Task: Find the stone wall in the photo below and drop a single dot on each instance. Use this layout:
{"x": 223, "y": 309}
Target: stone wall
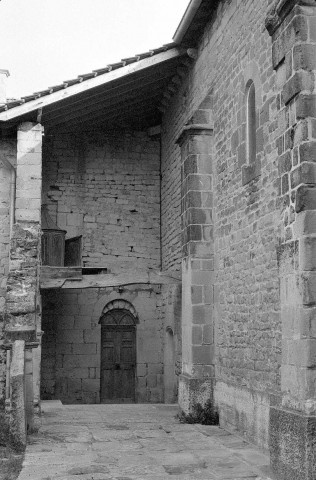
{"x": 8, "y": 152}
{"x": 235, "y": 49}
{"x": 71, "y": 342}
{"x": 106, "y": 187}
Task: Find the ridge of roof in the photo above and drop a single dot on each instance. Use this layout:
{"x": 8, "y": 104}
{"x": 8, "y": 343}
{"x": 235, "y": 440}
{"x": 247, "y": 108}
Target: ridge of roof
{"x": 12, "y": 103}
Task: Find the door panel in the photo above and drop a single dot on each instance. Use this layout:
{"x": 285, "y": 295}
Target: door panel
{"x": 118, "y": 360}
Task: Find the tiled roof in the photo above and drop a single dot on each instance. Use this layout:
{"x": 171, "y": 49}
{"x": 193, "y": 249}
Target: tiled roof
{"x": 81, "y": 78}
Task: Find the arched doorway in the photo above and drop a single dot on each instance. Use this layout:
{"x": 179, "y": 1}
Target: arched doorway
{"x": 118, "y": 353}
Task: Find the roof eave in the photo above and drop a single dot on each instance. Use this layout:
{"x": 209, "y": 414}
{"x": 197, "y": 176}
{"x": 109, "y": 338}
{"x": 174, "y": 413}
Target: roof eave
{"x": 186, "y": 21}
{"x": 14, "y": 113}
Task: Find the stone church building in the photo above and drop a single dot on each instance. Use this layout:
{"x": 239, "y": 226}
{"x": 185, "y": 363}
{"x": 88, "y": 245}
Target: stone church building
{"x": 158, "y": 231}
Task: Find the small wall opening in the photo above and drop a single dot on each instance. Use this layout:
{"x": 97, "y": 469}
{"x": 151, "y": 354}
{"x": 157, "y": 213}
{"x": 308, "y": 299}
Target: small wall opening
{"x": 170, "y": 380}
{"x": 251, "y": 122}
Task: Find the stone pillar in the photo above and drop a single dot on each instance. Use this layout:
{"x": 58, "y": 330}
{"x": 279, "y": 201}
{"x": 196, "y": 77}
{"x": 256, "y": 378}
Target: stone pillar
{"x": 22, "y": 299}
{"x": 197, "y": 379}
{"x": 292, "y": 26}
{"x": 17, "y": 423}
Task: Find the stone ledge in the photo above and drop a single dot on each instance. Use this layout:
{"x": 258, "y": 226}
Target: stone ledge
{"x": 194, "y": 129}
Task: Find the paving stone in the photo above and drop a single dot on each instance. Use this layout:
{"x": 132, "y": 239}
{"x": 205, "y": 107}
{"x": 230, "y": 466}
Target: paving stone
{"x": 130, "y": 442}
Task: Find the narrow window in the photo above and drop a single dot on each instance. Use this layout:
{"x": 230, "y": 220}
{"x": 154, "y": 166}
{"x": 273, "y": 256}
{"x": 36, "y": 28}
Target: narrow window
{"x": 251, "y": 123}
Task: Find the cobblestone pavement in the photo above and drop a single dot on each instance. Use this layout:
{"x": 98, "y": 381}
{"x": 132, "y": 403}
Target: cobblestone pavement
{"x": 127, "y": 442}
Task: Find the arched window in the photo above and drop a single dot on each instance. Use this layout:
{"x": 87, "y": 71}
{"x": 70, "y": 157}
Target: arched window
{"x": 251, "y": 122}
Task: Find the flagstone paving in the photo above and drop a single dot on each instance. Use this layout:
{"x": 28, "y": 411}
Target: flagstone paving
{"x": 128, "y": 442}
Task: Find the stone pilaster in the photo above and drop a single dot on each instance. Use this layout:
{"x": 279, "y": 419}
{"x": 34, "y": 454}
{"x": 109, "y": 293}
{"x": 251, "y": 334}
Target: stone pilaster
{"x": 23, "y": 298}
{"x": 293, "y": 420}
{"x": 197, "y": 380}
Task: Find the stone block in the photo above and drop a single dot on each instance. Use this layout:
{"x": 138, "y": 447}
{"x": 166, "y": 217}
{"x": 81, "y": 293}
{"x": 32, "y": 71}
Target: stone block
{"x": 208, "y": 233}
{"x": 304, "y": 174}
{"x": 305, "y": 223}
{"x": 292, "y": 444}
{"x": 300, "y": 81}
{"x": 196, "y": 294}
{"x": 304, "y": 57}
{"x": 193, "y": 391}
{"x": 199, "y": 144}
{"x": 305, "y": 199}
{"x": 307, "y": 152}
{"x": 81, "y": 361}
{"x": 69, "y": 336}
{"x": 197, "y": 335}
{"x": 141, "y": 369}
{"x": 90, "y": 385}
{"x": 82, "y": 322}
{"x": 156, "y": 395}
{"x": 199, "y": 216}
{"x": 17, "y": 386}
{"x": 208, "y": 334}
{"x": 80, "y": 372}
{"x": 201, "y": 314}
{"x": 202, "y": 354}
{"x": 192, "y": 233}
{"x": 307, "y": 253}
{"x": 305, "y": 106}
{"x": 198, "y": 182}
{"x": 295, "y": 32}
{"x": 28, "y": 215}
{"x": 84, "y": 349}
{"x": 202, "y": 277}
{"x": 308, "y": 286}
{"x": 63, "y": 348}
{"x": 151, "y": 381}
{"x": 34, "y": 159}
{"x": 155, "y": 368}
{"x": 201, "y": 250}
{"x": 70, "y": 388}
{"x": 92, "y": 335}
{"x": 29, "y": 147}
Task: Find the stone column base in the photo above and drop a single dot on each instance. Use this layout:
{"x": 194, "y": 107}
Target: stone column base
{"x": 196, "y": 391}
{"x": 292, "y": 444}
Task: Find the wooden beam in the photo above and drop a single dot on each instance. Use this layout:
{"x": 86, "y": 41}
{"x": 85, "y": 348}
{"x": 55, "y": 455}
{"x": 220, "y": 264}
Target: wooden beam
{"x": 111, "y": 280}
{"x": 115, "y": 100}
{"x": 156, "y": 74}
{"x": 109, "y": 114}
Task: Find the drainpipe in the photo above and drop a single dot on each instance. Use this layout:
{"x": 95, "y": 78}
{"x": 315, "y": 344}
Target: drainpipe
{"x": 12, "y": 191}
{"x": 4, "y": 74}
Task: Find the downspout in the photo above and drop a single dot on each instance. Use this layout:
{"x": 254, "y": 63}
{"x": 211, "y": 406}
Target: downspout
{"x": 12, "y": 191}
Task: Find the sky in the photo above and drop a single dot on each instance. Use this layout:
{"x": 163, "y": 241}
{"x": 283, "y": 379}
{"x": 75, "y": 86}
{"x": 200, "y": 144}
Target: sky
{"x": 45, "y": 42}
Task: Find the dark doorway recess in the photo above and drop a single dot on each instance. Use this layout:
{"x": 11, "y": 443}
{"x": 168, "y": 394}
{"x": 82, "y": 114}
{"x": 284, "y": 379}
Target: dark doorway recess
{"x": 118, "y": 357}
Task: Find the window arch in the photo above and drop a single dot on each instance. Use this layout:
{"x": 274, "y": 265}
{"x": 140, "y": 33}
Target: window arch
{"x": 251, "y": 122}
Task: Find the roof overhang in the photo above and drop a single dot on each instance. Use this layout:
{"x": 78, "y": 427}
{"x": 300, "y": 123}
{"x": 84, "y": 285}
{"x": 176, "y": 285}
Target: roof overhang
{"x": 127, "y": 94}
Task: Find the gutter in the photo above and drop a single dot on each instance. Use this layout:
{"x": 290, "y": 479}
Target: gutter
{"x": 12, "y": 191}
{"x": 186, "y": 20}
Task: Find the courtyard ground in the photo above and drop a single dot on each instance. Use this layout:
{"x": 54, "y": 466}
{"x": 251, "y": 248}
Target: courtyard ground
{"x": 10, "y": 464}
{"x": 135, "y": 442}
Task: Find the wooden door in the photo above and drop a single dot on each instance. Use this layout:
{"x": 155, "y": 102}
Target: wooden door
{"x": 118, "y": 360}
